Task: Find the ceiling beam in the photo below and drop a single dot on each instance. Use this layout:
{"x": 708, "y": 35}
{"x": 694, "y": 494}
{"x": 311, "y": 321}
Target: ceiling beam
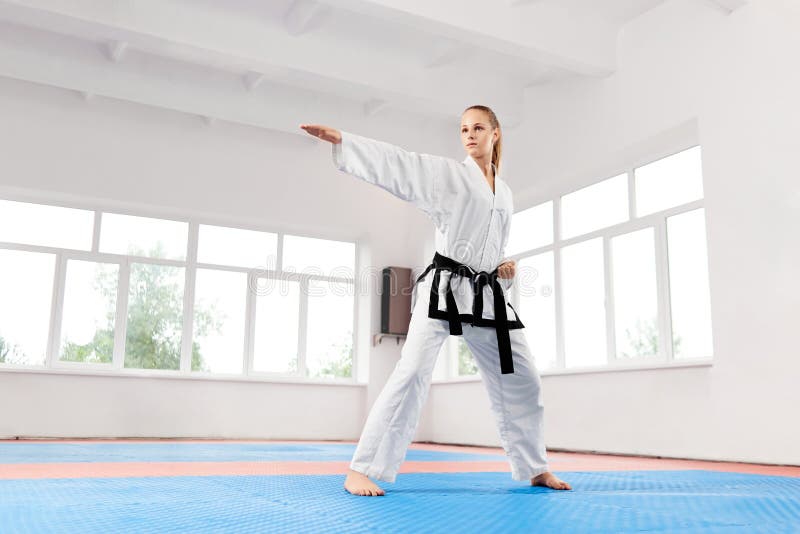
{"x": 205, "y": 34}
{"x": 548, "y": 33}
{"x": 211, "y": 96}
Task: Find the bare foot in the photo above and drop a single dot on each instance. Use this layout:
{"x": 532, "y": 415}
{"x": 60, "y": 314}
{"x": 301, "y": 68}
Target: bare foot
{"x": 359, "y": 484}
{"x": 549, "y": 480}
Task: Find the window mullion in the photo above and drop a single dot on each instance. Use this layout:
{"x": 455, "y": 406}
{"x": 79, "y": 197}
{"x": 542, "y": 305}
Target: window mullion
{"x": 662, "y": 281}
{"x": 559, "y": 311}
{"x": 301, "y": 331}
{"x": 279, "y": 254}
{"x": 121, "y": 319}
{"x": 608, "y": 266}
{"x": 354, "y": 368}
{"x": 98, "y": 218}
{"x": 631, "y": 195}
{"x": 250, "y": 321}
{"x": 57, "y": 303}
{"x": 188, "y": 300}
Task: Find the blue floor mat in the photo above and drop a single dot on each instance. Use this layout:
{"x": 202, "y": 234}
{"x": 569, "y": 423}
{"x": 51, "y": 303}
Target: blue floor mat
{"x": 34, "y": 453}
{"x": 619, "y": 501}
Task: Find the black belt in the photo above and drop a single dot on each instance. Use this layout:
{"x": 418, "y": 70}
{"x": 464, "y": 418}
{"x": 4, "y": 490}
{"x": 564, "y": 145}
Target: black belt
{"x": 478, "y": 281}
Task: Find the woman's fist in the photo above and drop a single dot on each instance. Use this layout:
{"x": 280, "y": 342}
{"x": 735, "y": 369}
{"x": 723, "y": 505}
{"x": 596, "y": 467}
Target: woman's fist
{"x": 326, "y": 133}
{"x": 507, "y": 269}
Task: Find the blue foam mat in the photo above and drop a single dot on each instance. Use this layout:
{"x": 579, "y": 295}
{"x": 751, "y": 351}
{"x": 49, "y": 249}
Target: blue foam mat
{"x": 15, "y": 453}
{"x": 619, "y": 501}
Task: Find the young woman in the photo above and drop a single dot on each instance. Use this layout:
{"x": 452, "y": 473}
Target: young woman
{"x": 460, "y": 293}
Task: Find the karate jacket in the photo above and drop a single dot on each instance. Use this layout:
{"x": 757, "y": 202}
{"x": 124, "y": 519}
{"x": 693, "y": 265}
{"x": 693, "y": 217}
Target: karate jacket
{"x": 472, "y": 223}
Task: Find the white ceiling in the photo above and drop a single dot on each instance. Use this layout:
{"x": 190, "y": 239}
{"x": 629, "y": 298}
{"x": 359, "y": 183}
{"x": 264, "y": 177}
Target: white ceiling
{"x": 275, "y": 63}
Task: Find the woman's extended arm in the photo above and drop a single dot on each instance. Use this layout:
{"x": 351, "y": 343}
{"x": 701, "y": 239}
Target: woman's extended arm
{"x": 413, "y": 177}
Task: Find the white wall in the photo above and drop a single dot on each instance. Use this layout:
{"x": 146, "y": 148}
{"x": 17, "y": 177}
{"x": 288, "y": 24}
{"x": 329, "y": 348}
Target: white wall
{"x": 105, "y": 154}
{"x": 735, "y": 77}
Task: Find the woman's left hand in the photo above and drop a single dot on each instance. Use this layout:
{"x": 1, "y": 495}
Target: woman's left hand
{"x": 507, "y": 269}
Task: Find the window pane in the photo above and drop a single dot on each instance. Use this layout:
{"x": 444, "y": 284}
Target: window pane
{"x": 319, "y": 256}
{"x": 143, "y": 236}
{"x": 531, "y": 228}
{"x": 219, "y": 316}
{"x": 466, "y": 360}
{"x": 155, "y": 317}
{"x": 635, "y": 294}
{"x": 669, "y": 182}
{"x": 447, "y": 360}
{"x": 329, "y": 334}
{"x": 234, "y": 246}
{"x": 48, "y": 226}
{"x": 597, "y": 206}
{"x": 535, "y": 281}
{"x": 26, "y": 286}
{"x": 276, "y": 324}
{"x": 688, "y": 281}
{"x": 584, "y": 304}
{"x": 90, "y": 306}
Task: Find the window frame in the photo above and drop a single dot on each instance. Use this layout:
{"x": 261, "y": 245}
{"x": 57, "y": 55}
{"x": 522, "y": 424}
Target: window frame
{"x": 656, "y": 220}
{"x": 55, "y": 366}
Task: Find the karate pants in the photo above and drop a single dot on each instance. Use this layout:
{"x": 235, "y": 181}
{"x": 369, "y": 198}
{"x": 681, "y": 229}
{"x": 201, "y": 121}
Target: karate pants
{"x": 516, "y": 399}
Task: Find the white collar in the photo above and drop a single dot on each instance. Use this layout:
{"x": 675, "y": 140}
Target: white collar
{"x": 469, "y": 159}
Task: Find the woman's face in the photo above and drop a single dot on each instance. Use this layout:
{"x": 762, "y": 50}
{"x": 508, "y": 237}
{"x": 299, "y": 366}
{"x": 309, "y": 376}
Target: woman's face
{"x": 477, "y": 134}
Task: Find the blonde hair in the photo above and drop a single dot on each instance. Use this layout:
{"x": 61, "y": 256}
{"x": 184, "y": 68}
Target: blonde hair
{"x": 497, "y": 149}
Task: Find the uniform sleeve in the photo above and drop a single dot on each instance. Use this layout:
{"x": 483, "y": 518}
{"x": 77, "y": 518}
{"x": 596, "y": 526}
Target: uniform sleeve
{"x": 413, "y": 177}
{"x": 507, "y": 282}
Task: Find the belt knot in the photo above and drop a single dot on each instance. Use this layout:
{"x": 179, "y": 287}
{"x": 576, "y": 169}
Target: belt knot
{"x": 478, "y": 281}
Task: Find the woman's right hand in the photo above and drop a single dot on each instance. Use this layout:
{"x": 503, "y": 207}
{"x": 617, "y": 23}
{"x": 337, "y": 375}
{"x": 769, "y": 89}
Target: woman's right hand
{"x": 326, "y": 133}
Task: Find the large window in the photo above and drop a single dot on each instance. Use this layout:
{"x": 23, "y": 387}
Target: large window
{"x": 688, "y": 288}
{"x": 233, "y": 246}
{"x": 143, "y": 236}
{"x": 26, "y": 286}
{"x": 131, "y": 294}
{"x": 594, "y": 207}
{"x": 583, "y": 301}
{"x": 220, "y": 306}
{"x": 277, "y": 345}
{"x": 536, "y": 304}
{"x": 532, "y": 228}
{"x": 154, "y": 323}
{"x": 49, "y": 226}
{"x": 89, "y": 311}
{"x": 329, "y": 347}
{"x": 613, "y": 275}
{"x": 669, "y": 182}
{"x": 635, "y": 290}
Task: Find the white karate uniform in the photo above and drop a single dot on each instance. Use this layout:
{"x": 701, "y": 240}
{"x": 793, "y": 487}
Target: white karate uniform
{"x": 472, "y": 225}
